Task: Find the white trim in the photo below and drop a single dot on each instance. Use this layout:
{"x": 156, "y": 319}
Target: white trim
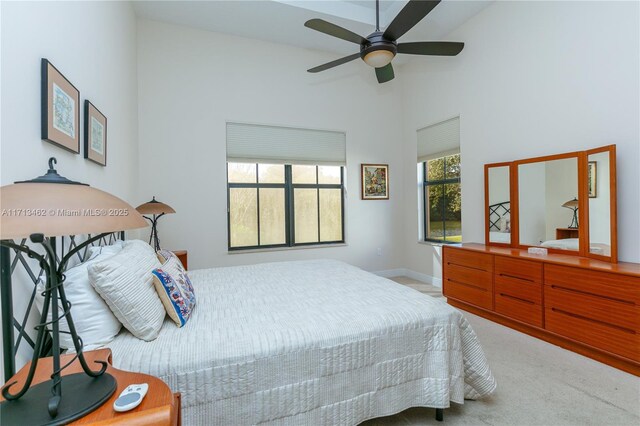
{"x": 390, "y": 273}
{"x": 404, "y": 272}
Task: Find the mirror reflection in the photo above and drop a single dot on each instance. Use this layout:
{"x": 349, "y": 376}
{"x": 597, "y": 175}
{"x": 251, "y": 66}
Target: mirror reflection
{"x": 598, "y": 181}
{"x": 499, "y": 213}
{"x": 548, "y": 203}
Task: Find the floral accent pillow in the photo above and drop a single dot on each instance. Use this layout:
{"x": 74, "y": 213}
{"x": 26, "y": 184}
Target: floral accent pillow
{"x": 175, "y": 290}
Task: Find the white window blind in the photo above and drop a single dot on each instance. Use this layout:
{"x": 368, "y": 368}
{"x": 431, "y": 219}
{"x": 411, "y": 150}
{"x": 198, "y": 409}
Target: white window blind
{"x": 252, "y": 143}
{"x": 439, "y": 140}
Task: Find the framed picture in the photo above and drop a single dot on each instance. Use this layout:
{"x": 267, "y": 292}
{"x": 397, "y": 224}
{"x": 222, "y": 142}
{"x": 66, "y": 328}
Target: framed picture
{"x": 375, "y": 181}
{"x": 95, "y": 134}
{"x": 593, "y": 178}
{"x": 60, "y": 122}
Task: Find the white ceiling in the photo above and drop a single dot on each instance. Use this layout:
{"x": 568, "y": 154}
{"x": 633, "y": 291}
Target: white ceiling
{"x": 282, "y": 21}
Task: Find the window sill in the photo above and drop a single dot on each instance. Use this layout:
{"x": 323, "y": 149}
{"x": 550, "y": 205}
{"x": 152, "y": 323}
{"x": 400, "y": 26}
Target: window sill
{"x": 435, "y": 244}
{"x": 307, "y": 247}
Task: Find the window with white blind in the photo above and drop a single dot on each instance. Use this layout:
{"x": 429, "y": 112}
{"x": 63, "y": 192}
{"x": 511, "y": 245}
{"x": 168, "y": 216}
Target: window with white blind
{"x": 285, "y": 186}
{"x": 439, "y": 165}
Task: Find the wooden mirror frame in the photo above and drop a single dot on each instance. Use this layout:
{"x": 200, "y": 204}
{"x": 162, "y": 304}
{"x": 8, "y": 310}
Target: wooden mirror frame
{"x": 487, "y": 226}
{"x": 613, "y": 204}
{"x": 583, "y": 202}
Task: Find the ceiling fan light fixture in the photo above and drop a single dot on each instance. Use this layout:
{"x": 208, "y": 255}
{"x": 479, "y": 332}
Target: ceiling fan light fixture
{"x": 378, "y": 58}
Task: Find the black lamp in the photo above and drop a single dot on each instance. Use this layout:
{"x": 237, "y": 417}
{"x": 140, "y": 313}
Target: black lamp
{"x": 573, "y": 205}
{"x": 50, "y": 206}
{"x": 157, "y": 210}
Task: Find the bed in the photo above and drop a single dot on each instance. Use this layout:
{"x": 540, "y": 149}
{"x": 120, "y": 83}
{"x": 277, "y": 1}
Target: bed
{"x": 573, "y": 244}
{"x": 313, "y": 342}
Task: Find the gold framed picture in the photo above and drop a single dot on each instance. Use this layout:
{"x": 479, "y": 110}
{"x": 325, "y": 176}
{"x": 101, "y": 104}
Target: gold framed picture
{"x": 95, "y": 134}
{"x": 374, "y": 181}
{"x": 60, "y": 108}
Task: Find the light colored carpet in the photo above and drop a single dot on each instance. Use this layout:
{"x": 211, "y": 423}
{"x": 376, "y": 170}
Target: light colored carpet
{"x": 538, "y": 384}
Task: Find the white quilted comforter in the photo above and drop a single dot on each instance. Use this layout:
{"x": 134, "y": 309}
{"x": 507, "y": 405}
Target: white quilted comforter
{"x": 310, "y": 343}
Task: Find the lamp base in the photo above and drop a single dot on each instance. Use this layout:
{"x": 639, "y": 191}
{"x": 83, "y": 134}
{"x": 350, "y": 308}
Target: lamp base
{"x": 81, "y": 394}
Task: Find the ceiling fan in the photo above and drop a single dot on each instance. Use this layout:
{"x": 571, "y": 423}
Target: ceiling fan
{"x": 379, "y": 48}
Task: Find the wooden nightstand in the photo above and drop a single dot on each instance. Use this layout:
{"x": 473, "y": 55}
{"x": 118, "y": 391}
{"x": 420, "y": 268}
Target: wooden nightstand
{"x": 159, "y": 407}
{"x": 564, "y": 233}
{"x": 182, "y": 255}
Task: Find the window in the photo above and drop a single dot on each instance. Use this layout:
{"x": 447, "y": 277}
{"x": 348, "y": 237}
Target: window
{"x": 276, "y": 205}
{"x": 441, "y": 199}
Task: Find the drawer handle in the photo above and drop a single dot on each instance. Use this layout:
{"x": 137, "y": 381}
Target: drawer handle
{"x": 508, "y": 296}
{"x": 597, "y": 296}
{"x": 466, "y": 285}
{"x": 466, "y": 266}
{"x": 617, "y": 327}
{"x": 517, "y": 278}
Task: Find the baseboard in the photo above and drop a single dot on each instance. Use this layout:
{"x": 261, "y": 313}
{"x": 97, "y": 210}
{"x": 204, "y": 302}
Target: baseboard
{"x": 390, "y": 273}
{"x": 404, "y": 272}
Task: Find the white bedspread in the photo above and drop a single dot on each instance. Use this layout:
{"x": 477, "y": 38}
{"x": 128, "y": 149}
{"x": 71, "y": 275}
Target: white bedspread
{"x": 314, "y": 342}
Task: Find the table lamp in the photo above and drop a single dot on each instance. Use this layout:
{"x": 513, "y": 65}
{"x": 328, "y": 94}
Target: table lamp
{"x": 157, "y": 209}
{"x": 51, "y": 206}
{"x": 573, "y": 205}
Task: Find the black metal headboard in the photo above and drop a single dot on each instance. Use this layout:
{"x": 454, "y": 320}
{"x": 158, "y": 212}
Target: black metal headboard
{"x": 15, "y": 261}
{"x": 496, "y": 211}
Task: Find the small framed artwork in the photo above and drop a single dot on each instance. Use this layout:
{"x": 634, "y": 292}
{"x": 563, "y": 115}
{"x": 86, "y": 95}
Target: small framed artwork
{"x": 593, "y": 179}
{"x": 375, "y": 181}
{"x": 95, "y": 134}
{"x": 60, "y": 107}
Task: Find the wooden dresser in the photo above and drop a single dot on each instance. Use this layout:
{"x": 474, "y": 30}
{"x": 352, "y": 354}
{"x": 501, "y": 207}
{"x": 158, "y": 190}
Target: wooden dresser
{"x": 584, "y": 305}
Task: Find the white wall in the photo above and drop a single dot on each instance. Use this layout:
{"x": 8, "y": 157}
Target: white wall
{"x": 535, "y": 78}
{"x": 93, "y": 45}
{"x": 191, "y": 82}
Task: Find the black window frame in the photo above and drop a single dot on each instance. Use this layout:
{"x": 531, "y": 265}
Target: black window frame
{"x": 425, "y": 209}
{"x": 289, "y": 201}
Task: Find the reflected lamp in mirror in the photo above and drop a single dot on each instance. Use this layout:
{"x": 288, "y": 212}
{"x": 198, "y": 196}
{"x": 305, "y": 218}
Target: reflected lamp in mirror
{"x": 156, "y": 209}
{"x": 40, "y": 209}
{"x": 572, "y": 205}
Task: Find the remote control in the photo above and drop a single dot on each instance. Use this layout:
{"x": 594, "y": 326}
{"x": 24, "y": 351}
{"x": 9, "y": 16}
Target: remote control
{"x": 131, "y": 397}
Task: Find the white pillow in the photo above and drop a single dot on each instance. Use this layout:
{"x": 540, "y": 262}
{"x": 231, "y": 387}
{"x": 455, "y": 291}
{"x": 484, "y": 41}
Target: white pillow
{"x": 125, "y": 282}
{"x": 505, "y": 223}
{"x": 93, "y": 320}
{"x": 110, "y": 249}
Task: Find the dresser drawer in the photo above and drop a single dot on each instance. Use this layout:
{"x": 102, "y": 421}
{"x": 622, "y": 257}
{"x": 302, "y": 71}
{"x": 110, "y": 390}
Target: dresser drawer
{"x": 613, "y": 312}
{"x": 523, "y": 270}
{"x": 473, "y": 295}
{"x": 521, "y": 289}
{"x": 468, "y": 259}
{"x": 619, "y": 287}
{"x": 468, "y": 277}
{"x": 518, "y": 309}
{"x": 594, "y": 333}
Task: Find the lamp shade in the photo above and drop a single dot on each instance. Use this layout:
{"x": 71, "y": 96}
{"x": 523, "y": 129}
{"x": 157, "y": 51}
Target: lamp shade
{"x": 571, "y": 204}
{"x": 56, "y": 209}
{"x": 155, "y": 207}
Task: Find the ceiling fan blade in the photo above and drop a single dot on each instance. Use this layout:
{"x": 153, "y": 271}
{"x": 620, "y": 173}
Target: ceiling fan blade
{"x": 408, "y": 17}
{"x": 385, "y": 73}
{"x": 438, "y": 48}
{"x": 335, "y": 63}
{"x": 334, "y": 30}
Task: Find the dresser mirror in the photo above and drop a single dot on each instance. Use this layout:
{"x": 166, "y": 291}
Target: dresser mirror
{"x": 565, "y": 203}
{"x": 548, "y": 204}
{"x": 498, "y": 203}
